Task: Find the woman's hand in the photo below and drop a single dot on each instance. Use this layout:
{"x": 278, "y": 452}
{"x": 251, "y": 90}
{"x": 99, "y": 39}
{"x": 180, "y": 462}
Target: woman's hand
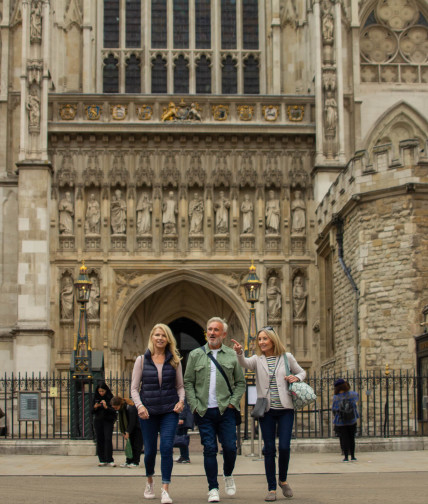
{"x": 126, "y": 435}
{"x": 103, "y": 403}
{"x": 179, "y": 407}
{"x": 291, "y": 378}
{"x": 236, "y": 346}
{"x": 142, "y": 412}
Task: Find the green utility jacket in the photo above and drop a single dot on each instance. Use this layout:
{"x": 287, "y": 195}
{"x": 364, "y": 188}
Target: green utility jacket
{"x": 197, "y": 379}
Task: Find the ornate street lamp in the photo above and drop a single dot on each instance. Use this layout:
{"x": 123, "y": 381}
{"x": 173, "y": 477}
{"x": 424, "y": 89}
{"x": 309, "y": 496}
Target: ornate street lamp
{"x": 252, "y": 288}
{"x": 82, "y": 358}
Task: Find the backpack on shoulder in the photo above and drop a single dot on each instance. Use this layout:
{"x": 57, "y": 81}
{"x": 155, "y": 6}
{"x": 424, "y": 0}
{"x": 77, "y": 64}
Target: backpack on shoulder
{"x": 346, "y": 410}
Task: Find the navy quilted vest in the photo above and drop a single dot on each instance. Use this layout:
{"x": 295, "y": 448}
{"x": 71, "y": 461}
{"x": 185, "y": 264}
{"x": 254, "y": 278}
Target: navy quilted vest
{"x": 158, "y": 400}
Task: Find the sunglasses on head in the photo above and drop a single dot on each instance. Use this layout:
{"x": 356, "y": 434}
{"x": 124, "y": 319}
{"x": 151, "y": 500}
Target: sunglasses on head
{"x": 268, "y": 327}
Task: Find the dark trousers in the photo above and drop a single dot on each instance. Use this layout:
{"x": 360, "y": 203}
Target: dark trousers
{"x": 347, "y": 439}
{"x": 104, "y": 436}
{"x": 136, "y": 439}
{"x": 184, "y": 450}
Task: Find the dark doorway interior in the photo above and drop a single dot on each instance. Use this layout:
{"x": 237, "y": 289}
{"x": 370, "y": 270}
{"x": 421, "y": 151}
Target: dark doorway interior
{"x": 189, "y": 335}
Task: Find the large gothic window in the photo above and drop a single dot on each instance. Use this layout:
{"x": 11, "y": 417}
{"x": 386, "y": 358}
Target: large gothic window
{"x": 394, "y": 43}
{"x": 182, "y": 46}
{"x": 111, "y": 75}
{"x": 159, "y": 84}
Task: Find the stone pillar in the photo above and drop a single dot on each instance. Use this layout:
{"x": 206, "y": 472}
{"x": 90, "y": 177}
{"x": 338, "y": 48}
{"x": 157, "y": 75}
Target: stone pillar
{"x": 32, "y": 343}
{"x": 276, "y": 49}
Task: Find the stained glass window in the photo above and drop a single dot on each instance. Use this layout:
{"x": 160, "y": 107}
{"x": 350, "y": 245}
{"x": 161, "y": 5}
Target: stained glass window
{"x": 250, "y": 24}
{"x": 133, "y": 23}
{"x": 203, "y": 23}
{"x": 228, "y": 24}
{"x": 111, "y": 75}
{"x": 181, "y": 24}
{"x": 203, "y": 75}
{"x": 181, "y": 75}
{"x": 229, "y": 81}
{"x": 251, "y": 76}
{"x": 159, "y": 83}
{"x": 111, "y": 23}
{"x": 133, "y": 75}
{"x": 159, "y": 23}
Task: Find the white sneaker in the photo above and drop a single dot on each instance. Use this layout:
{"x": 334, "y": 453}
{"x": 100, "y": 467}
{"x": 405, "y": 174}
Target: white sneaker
{"x": 124, "y": 465}
{"x": 149, "y": 492}
{"x": 102, "y": 464}
{"x": 111, "y": 464}
{"x": 165, "y": 498}
{"x": 213, "y": 495}
{"x": 131, "y": 465}
{"x": 229, "y": 485}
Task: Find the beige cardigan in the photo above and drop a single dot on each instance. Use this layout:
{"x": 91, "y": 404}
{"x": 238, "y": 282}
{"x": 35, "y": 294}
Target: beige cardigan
{"x": 259, "y": 365}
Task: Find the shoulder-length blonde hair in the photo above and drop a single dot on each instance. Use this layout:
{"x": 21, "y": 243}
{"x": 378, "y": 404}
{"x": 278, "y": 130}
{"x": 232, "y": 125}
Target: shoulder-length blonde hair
{"x": 278, "y": 346}
{"x": 171, "y": 345}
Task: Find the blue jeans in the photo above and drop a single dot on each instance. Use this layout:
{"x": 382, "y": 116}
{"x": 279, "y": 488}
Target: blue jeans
{"x": 281, "y": 420}
{"x": 211, "y": 426}
{"x": 166, "y": 426}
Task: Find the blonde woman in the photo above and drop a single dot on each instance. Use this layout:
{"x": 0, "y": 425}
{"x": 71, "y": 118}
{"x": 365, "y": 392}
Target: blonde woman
{"x": 272, "y": 382}
{"x": 158, "y": 393}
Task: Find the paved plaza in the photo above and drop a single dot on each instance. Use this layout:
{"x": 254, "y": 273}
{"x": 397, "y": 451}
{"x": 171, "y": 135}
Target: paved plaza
{"x": 316, "y": 478}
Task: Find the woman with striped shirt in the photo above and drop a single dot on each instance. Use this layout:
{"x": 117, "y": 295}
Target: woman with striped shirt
{"x": 272, "y": 383}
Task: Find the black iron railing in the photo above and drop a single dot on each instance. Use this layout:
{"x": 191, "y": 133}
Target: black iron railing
{"x": 394, "y": 405}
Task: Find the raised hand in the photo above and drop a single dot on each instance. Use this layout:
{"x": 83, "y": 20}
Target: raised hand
{"x": 236, "y": 346}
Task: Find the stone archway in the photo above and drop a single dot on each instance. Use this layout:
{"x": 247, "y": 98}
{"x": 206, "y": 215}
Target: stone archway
{"x": 171, "y": 297}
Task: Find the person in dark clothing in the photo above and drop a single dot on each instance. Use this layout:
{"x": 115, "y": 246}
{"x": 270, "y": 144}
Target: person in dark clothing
{"x": 104, "y": 418}
{"x": 129, "y": 426}
{"x": 345, "y": 424}
{"x": 185, "y": 422}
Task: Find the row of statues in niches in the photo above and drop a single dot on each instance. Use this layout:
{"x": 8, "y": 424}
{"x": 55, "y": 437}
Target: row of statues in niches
{"x": 273, "y": 297}
{"x": 196, "y": 209}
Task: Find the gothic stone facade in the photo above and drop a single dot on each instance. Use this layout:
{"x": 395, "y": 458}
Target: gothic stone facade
{"x": 312, "y": 130}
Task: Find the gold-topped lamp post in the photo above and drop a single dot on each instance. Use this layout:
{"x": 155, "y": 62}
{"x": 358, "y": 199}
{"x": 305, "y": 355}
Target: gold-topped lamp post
{"x": 252, "y": 286}
{"x": 82, "y": 357}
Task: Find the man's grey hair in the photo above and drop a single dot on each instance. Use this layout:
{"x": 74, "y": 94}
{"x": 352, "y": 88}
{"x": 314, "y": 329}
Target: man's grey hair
{"x": 218, "y": 319}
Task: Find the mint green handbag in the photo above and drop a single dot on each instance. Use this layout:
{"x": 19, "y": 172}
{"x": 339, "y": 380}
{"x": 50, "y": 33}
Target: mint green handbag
{"x": 301, "y": 393}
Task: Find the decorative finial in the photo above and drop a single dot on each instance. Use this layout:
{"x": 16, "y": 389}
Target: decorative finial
{"x": 387, "y": 371}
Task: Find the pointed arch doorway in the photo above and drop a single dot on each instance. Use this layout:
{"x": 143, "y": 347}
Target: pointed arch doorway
{"x": 189, "y": 335}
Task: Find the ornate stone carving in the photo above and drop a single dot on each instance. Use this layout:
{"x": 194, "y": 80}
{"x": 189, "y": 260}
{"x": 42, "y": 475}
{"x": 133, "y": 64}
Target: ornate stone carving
{"x": 272, "y": 174}
{"x": 247, "y": 210}
{"x": 272, "y": 214}
{"x": 220, "y": 112}
{"x": 245, "y": 112}
{"x": 247, "y": 173}
{"x": 221, "y": 206}
{"x": 295, "y": 113}
{"x": 144, "y": 112}
{"x": 118, "y": 213}
{"x": 274, "y": 302}
{"x": 118, "y": 175}
{"x": 67, "y": 112}
{"x": 299, "y": 298}
{"x": 66, "y": 215}
{"x": 182, "y": 112}
{"x": 92, "y": 174}
{"x": 33, "y": 109}
{"x": 196, "y": 215}
{"x": 66, "y": 175}
{"x": 36, "y": 22}
{"x": 144, "y": 214}
{"x": 221, "y": 174}
{"x": 93, "y": 112}
{"x": 298, "y": 214}
{"x": 330, "y": 111}
{"x": 126, "y": 281}
{"x": 170, "y": 174}
{"x": 119, "y": 112}
{"x": 195, "y": 174}
{"x": 93, "y": 216}
{"x": 144, "y": 172}
{"x": 270, "y": 112}
{"x": 169, "y": 214}
{"x": 93, "y": 308}
{"x": 67, "y": 298}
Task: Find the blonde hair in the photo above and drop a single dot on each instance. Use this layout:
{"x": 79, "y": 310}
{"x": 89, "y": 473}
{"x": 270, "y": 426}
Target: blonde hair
{"x": 278, "y": 345}
{"x": 171, "y": 344}
{"x": 120, "y": 401}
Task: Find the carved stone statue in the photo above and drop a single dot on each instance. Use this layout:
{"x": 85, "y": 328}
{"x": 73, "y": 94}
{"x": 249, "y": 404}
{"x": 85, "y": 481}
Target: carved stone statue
{"x": 298, "y": 214}
{"x": 66, "y": 299}
{"x": 272, "y": 214}
{"x": 118, "y": 213}
{"x": 273, "y": 293}
{"x": 93, "y": 309}
{"x": 93, "y": 216}
{"x": 36, "y": 22}
{"x": 144, "y": 210}
{"x": 170, "y": 211}
{"x": 327, "y": 27}
{"x": 33, "y": 108}
{"x": 330, "y": 109}
{"x": 299, "y": 299}
{"x": 196, "y": 214}
{"x": 66, "y": 213}
{"x": 247, "y": 214}
{"x": 222, "y": 206}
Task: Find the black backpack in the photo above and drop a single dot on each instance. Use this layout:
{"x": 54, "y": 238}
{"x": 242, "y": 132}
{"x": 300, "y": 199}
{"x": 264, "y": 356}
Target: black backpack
{"x": 346, "y": 410}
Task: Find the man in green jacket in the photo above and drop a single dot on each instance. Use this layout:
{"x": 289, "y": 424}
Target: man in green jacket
{"x": 214, "y": 402}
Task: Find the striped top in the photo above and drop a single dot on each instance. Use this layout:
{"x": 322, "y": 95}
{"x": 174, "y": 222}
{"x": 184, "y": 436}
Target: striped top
{"x": 275, "y": 402}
